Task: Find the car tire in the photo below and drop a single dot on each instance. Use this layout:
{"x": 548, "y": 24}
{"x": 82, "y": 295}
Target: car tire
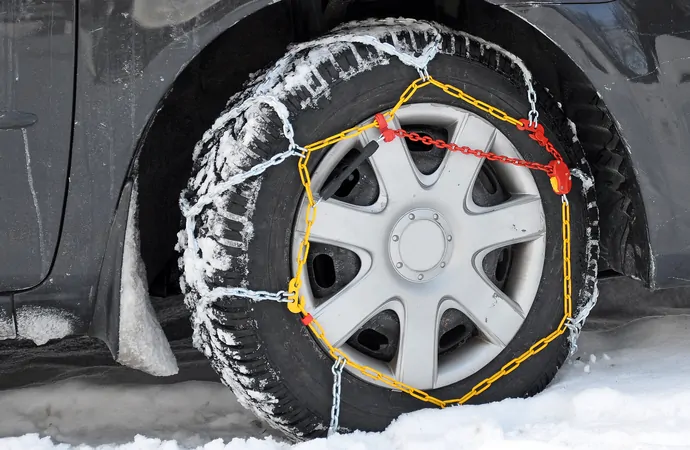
{"x": 261, "y": 350}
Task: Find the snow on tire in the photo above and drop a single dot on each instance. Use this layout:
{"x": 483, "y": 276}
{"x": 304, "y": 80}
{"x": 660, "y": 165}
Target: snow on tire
{"x": 244, "y": 237}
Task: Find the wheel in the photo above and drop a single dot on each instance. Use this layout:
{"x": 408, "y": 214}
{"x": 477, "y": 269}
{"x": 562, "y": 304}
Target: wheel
{"x": 432, "y": 267}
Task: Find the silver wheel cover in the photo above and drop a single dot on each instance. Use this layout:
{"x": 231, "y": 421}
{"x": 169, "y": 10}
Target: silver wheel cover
{"x": 421, "y": 246}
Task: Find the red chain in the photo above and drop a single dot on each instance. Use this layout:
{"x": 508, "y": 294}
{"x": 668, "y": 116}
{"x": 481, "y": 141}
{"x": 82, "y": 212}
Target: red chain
{"x": 537, "y": 133}
{"x": 468, "y": 151}
{"x": 557, "y": 170}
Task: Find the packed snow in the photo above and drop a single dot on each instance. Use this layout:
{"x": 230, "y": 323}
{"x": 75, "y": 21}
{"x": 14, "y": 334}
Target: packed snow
{"x": 142, "y": 343}
{"x": 41, "y": 324}
{"x": 625, "y": 388}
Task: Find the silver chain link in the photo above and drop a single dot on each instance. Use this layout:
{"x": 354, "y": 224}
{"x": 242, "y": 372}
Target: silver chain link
{"x": 258, "y": 169}
{"x": 533, "y": 113}
{"x": 575, "y": 324}
{"x": 427, "y": 55}
{"x": 337, "y": 371}
{"x": 423, "y": 73}
{"x": 190, "y": 212}
{"x": 257, "y": 296}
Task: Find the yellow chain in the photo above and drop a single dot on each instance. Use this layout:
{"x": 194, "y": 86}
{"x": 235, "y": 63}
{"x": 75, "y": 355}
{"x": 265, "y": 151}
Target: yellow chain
{"x": 297, "y": 305}
{"x": 460, "y": 94}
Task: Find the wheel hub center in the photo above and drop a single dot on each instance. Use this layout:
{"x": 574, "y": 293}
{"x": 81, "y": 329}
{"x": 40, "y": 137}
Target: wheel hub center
{"x": 420, "y": 245}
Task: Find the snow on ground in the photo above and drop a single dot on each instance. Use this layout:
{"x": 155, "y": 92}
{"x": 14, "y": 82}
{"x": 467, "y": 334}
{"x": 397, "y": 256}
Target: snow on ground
{"x": 627, "y": 388}
{"x": 192, "y": 413}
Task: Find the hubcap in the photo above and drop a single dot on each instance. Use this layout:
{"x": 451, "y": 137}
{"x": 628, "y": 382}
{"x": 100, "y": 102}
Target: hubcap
{"x": 420, "y": 245}
{"x": 425, "y": 263}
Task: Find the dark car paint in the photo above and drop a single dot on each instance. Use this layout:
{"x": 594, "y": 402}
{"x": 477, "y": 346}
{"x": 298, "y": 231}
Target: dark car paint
{"x": 124, "y": 69}
{"x": 36, "y": 93}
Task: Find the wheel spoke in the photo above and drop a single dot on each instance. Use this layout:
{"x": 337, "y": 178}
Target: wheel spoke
{"x": 417, "y": 360}
{"x": 394, "y": 166}
{"x": 460, "y": 171}
{"x": 340, "y": 224}
{"x": 520, "y": 219}
{"x": 358, "y": 302}
{"x": 497, "y": 316}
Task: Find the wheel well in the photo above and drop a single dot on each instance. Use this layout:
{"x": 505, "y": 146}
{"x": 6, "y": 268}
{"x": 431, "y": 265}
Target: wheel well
{"x": 200, "y": 93}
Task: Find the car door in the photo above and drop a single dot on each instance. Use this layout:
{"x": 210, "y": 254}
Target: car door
{"x": 37, "y": 47}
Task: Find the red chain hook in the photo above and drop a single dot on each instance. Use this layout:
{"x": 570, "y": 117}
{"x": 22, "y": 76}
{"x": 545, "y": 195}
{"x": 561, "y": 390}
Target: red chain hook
{"x": 387, "y": 133}
{"x": 559, "y": 173}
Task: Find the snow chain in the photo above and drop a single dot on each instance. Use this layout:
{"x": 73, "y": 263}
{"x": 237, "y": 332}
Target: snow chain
{"x": 561, "y": 183}
{"x": 556, "y": 170}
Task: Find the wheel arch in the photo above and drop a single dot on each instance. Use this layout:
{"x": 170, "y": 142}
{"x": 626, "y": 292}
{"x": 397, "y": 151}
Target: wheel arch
{"x": 545, "y": 58}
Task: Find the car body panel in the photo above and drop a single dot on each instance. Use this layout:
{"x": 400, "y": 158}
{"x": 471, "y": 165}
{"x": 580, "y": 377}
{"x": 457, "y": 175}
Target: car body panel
{"x": 36, "y": 84}
{"x": 124, "y": 70}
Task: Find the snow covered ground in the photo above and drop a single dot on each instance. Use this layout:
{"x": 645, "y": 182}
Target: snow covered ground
{"x": 627, "y": 388}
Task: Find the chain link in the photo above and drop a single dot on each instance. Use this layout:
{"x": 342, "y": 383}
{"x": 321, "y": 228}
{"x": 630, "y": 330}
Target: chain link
{"x": 190, "y": 212}
{"x": 257, "y": 296}
{"x": 482, "y": 106}
{"x": 258, "y": 169}
{"x": 337, "y": 371}
{"x": 575, "y": 324}
{"x": 533, "y": 114}
{"x": 567, "y": 269}
{"x": 427, "y": 55}
{"x": 468, "y": 151}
